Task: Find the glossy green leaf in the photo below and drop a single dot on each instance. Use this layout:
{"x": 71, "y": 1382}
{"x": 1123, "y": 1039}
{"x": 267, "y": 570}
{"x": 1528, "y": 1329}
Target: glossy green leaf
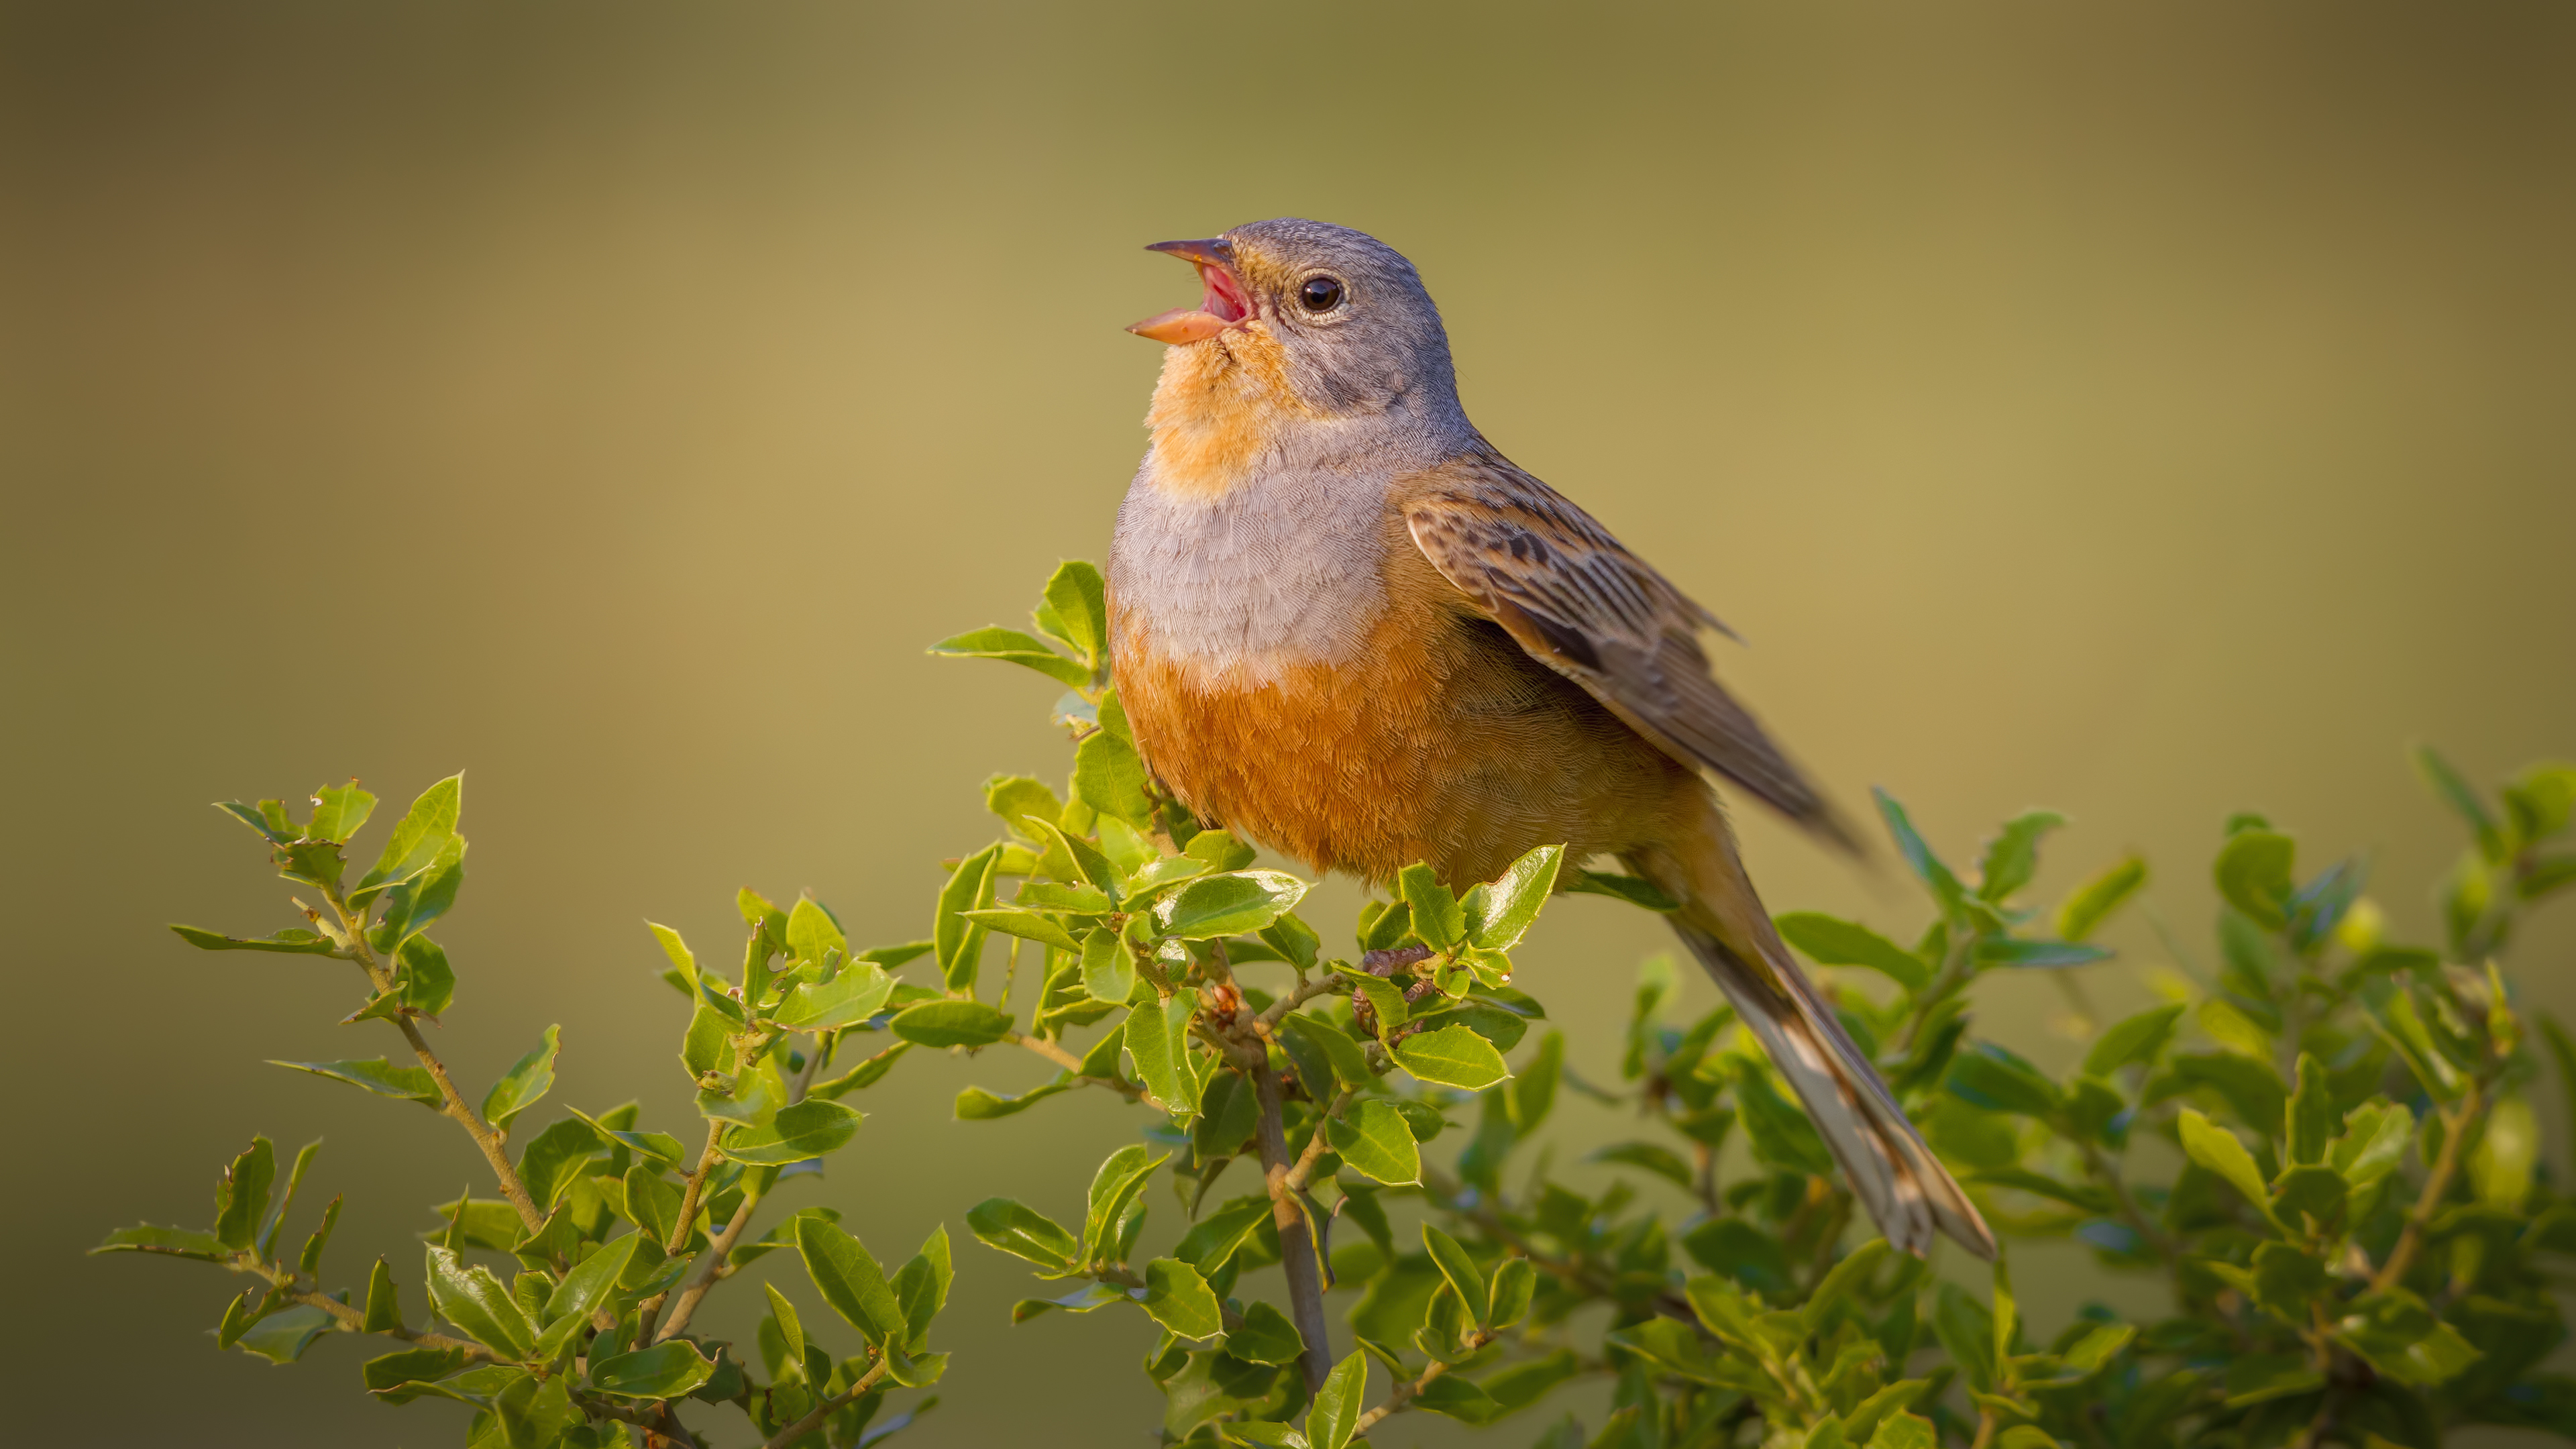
{"x": 2501, "y": 1166}
{"x": 593, "y": 1281}
{"x": 1014, "y": 647}
{"x": 806, "y": 1129}
{"x": 1233, "y": 904}
{"x": 1121, "y": 1176}
{"x": 1027, "y": 925}
{"x": 1022, "y": 1231}
{"x": 1373, "y": 1140}
{"x": 1452, "y": 1056}
{"x": 1157, "y": 1039}
{"x": 468, "y": 1296}
{"x": 175, "y": 1242}
{"x": 1464, "y": 1277}
{"x": 790, "y": 1327}
{"x": 951, "y": 1023}
{"x": 1335, "y": 1413}
{"x": 417, "y": 841}
{"x": 524, "y": 1084}
{"x": 1918, "y": 856}
{"x": 1437, "y": 917}
{"x": 850, "y": 1280}
{"x": 667, "y": 1370}
{"x": 1990, "y": 1077}
{"x": 853, "y": 996}
{"x": 295, "y": 941}
{"x": 959, "y": 940}
{"x": 241, "y": 1194}
{"x": 1180, "y": 1300}
{"x": 975, "y": 1104}
{"x": 1108, "y": 967}
{"x": 407, "y": 1084}
{"x": 1500, "y": 912}
{"x": 1348, "y": 1059}
{"x": 1829, "y": 941}
{"x": 1109, "y": 778}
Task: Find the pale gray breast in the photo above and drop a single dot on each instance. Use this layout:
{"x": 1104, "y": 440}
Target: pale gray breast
{"x": 1284, "y": 569}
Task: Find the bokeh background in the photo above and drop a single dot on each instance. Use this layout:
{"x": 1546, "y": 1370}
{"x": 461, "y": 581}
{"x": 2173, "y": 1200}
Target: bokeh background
{"x": 2148, "y": 410}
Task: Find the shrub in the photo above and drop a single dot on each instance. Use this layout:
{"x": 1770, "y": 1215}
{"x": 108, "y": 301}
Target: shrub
{"x": 2326, "y": 1151}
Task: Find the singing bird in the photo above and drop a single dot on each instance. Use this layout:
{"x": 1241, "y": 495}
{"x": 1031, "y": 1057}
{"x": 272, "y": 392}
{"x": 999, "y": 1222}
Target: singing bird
{"x": 1346, "y": 627}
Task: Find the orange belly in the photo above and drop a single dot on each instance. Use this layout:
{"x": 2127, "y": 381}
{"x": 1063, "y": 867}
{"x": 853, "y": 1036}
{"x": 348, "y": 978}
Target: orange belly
{"x": 1441, "y": 742}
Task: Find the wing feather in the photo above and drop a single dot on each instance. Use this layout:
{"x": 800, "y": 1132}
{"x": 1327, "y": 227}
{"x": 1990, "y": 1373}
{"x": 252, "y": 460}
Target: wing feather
{"x": 1579, "y": 602}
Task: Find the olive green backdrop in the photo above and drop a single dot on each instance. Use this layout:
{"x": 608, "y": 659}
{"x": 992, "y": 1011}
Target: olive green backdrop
{"x": 2145, "y": 410}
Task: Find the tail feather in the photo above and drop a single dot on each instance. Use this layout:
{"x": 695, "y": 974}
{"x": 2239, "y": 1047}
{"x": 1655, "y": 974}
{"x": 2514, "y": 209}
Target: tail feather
{"x": 1906, "y": 1190}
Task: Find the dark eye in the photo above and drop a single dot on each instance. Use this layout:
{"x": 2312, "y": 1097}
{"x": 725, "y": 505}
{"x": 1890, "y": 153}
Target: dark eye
{"x": 1320, "y": 294}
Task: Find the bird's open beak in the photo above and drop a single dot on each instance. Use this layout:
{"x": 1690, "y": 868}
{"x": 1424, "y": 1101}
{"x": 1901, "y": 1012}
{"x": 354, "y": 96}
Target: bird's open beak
{"x": 1222, "y": 303}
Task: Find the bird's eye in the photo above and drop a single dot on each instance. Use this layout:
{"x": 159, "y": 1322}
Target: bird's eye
{"x": 1320, "y": 294}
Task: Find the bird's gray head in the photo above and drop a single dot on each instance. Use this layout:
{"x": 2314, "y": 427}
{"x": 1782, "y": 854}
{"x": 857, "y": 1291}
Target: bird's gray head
{"x": 1339, "y": 318}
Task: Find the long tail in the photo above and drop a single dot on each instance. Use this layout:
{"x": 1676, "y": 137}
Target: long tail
{"x": 1905, "y": 1188}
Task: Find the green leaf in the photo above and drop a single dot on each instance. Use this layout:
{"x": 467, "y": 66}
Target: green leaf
{"x": 1990, "y": 1077}
{"x": 1079, "y": 602}
{"x": 2501, "y": 1165}
{"x": 1737, "y": 1249}
{"x": 804, "y": 1130}
{"x": 1294, "y": 940}
{"x": 2253, "y": 872}
{"x": 1828, "y": 941}
{"x": 428, "y": 982}
{"x": 1214, "y": 1239}
{"x": 951, "y": 1024}
{"x": 1782, "y": 1137}
{"x": 1234, "y": 904}
{"x": 472, "y": 1299}
{"x": 866, "y": 1074}
{"x": 922, "y": 1286}
{"x": 2312, "y": 1119}
{"x": 593, "y": 1281}
{"x": 847, "y": 999}
{"x": 2374, "y": 1142}
{"x": 1027, "y": 925}
{"x": 418, "y": 840}
{"x": 1180, "y": 1300}
{"x": 1335, "y": 1413}
{"x": 812, "y": 934}
{"x": 407, "y": 1084}
{"x": 398, "y": 1378}
{"x": 1636, "y": 892}
{"x": 384, "y": 1300}
{"x": 1927, "y": 867}
{"x": 338, "y": 812}
{"x": 241, "y": 1194}
{"x": 294, "y": 941}
{"x": 662, "y": 1147}
{"x": 524, "y": 1084}
{"x": 2456, "y": 792}
{"x": 850, "y": 1280}
{"x": 1121, "y": 1176}
{"x": 1021, "y": 1231}
{"x": 2136, "y": 1039}
{"x": 1265, "y": 1337}
{"x": 1108, "y": 967}
{"x": 2037, "y": 955}
{"x": 1017, "y": 648}
{"x": 2216, "y": 1149}
{"x": 1373, "y": 1140}
{"x": 667, "y": 1370}
{"x": 1651, "y": 1157}
{"x": 1157, "y": 1038}
{"x": 959, "y": 939}
{"x": 2087, "y": 906}
{"x": 975, "y": 1104}
{"x": 282, "y": 1337}
{"x": 1437, "y": 917}
{"x": 175, "y": 1242}
{"x": 1452, "y": 1056}
{"x": 1905, "y": 1431}
{"x": 2012, "y": 857}
{"x": 1109, "y": 778}
{"x": 1349, "y": 1060}
{"x": 1465, "y": 1278}
{"x": 1503, "y": 911}
{"x": 790, "y": 1327}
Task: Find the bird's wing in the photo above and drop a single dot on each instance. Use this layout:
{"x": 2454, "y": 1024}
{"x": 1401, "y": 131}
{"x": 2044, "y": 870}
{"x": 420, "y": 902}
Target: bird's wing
{"x": 1583, "y": 605}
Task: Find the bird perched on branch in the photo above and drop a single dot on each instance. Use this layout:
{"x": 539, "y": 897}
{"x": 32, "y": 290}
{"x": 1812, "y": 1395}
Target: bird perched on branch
{"x": 1343, "y": 625}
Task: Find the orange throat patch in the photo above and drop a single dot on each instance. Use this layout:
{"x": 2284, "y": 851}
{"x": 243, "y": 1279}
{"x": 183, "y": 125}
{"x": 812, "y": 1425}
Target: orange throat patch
{"x": 1220, "y": 404}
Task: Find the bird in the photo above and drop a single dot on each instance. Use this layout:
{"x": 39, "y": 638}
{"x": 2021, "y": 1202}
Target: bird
{"x": 1344, "y": 626}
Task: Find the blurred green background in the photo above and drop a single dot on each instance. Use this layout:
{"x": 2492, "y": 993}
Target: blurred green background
{"x": 2147, "y": 410}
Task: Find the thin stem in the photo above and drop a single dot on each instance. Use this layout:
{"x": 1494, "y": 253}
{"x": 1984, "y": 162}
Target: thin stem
{"x": 1298, "y": 996}
{"x": 1296, "y": 1239}
{"x": 1402, "y": 1395}
{"x": 828, "y": 1407}
{"x": 2109, "y": 1176}
{"x": 1071, "y": 1063}
{"x": 2437, "y": 1185}
{"x": 1986, "y": 1426}
{"x": 1314, "y": 1153}
{"x": 352, "y": 935}
{"x": 690, "y": 1190}
{"x": 710, "y": 1267}
{"x": 351, "y": 1320}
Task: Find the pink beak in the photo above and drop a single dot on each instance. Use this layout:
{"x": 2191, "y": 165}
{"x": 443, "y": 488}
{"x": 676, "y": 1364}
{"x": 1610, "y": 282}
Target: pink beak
{"x": 1222, "y": 303}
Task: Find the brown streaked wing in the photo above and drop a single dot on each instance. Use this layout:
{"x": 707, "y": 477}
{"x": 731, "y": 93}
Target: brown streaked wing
{"x": 1583, "y": 605}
